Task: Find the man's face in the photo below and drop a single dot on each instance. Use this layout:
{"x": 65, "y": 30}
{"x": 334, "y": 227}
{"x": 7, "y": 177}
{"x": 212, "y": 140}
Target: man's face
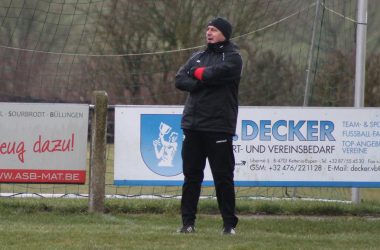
{"x": 213, "y": 35}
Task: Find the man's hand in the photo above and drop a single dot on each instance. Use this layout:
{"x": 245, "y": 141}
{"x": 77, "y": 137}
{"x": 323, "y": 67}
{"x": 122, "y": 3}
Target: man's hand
{"x": 197, "y": 72}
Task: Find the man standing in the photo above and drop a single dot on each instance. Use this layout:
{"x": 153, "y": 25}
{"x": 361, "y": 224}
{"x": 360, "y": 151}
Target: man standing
{"x": 211, "y": 77}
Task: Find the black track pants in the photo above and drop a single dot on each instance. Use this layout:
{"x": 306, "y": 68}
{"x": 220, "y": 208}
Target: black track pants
{"x": 217, "y": 147}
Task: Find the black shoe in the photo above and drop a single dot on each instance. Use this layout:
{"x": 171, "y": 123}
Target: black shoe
{"x": 186, "y": 229}
{"x": 229, "y": 230}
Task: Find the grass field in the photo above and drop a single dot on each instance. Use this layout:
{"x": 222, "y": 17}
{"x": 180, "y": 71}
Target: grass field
{"x": 61, "y": 223}
{"x": 152, "y": 224}
{"x": 152, "y": 231}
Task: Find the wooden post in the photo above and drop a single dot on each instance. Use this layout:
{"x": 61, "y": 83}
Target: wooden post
{"x": 98, "y": 153}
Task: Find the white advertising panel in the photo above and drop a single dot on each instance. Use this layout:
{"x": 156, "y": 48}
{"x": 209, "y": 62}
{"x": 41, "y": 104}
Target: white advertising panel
{"x": 43, "y": 143}
{"x": 273, "y": 146}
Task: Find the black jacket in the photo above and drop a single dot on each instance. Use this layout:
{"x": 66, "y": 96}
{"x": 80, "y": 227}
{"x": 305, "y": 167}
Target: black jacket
{"x": 212, "y": 104}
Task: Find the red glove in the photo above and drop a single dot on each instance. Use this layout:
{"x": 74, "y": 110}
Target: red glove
{"x": 198, "y": 73}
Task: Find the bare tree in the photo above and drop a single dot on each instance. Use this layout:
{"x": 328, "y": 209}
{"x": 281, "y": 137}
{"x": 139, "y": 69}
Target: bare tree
{"x": 133, "y": 48}
{"x": 141, "y": 32}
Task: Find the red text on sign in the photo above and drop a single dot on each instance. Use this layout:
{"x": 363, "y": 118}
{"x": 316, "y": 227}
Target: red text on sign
{"x": 58, "y": 145}
{"x": 11, "y": 148}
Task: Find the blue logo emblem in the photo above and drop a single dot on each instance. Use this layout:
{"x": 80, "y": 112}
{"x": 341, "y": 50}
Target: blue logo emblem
{"x": 161, "y": 143}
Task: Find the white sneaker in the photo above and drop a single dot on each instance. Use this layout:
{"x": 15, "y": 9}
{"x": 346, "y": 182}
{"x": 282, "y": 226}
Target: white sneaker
{"x": 229, "y": 230}
{"x": 186, "y": 229}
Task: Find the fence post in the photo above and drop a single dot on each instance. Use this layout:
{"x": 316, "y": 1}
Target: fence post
{"x": 98, "y": 153}
{"x": 361, "y": 40}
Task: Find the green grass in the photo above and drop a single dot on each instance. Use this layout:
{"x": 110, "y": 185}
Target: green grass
{"x": 43, "y": 230}
{"x": 149, "y": 231}
{"x": 244, "y": 207}
{"x": 151, "y": 224}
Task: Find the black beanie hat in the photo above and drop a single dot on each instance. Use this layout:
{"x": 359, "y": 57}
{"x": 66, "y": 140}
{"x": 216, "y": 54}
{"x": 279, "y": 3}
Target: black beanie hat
{"x": 223, "y": 25}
